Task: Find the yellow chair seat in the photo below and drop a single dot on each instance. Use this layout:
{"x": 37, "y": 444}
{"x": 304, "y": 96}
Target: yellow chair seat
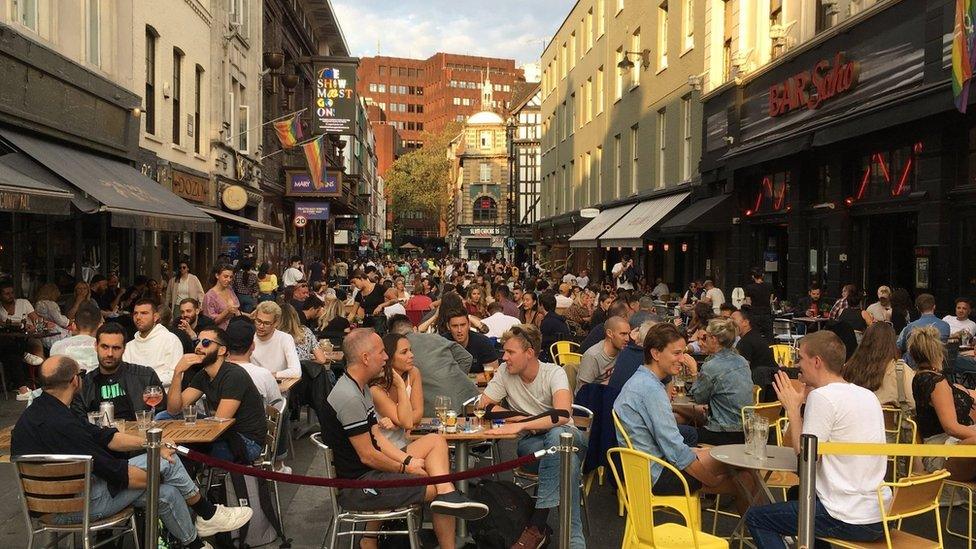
{"x": 671, "y": 535}
{"x": 899, "y": 540}
{"x": 782, "y": 479}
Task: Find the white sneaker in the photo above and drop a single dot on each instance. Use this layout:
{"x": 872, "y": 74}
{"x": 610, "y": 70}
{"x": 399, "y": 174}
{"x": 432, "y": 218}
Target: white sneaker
{"x": 283, "y": 469}
{"x": 33, "y": 359}
{"x": 206, "y": 545}
{"x": 226, "y": 519}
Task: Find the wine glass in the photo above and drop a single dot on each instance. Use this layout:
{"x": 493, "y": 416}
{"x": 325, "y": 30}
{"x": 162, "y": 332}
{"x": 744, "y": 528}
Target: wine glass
{"x": 441, "y": 405}
{"x": 152, "y": 396}
{"x": 479, "y": 413}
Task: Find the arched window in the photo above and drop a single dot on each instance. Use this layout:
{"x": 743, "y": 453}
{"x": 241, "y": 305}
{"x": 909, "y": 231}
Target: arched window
{"x": 485, "y": 210}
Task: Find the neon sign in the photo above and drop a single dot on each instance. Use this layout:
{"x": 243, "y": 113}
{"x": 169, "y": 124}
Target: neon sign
{"x": 897, "y": 182}
{"x": 809, "y": 89}
{"x": 773, "y": 191}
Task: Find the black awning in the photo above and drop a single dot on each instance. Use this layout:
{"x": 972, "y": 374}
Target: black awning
{"x": 19, "y": 192}
{"x": 134, "y": 200}
{"x": 766, "y": 150}
{"x": 707, "y": 215}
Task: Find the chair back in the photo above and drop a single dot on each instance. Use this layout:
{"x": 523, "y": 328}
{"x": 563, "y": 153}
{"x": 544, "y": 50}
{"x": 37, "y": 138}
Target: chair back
{"x": 564, "y": 346}
{"x": 769, "y": 410}
{"x": 54, "y": 484}
{"x": 913, "y": 495}
{"x": 756, "y": 394}
{"x": 568, "y": 358}
{"x": 582, "y": 418}
{"x": 621, "y": 430}
{"x": 635, "y": 467}
{"x": 783, "y": 355}
{"x": 329, "y": 471}
{"x": 275, "y": 419}
{"x": 782, "y": 326}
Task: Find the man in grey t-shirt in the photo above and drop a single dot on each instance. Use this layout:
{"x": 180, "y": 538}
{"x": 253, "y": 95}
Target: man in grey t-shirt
{"x": 529, "y": 388}
{"x": 596, "y": 366}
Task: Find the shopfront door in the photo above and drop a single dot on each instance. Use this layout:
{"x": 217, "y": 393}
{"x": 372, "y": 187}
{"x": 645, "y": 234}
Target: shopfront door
{"x": 888, "y": 251}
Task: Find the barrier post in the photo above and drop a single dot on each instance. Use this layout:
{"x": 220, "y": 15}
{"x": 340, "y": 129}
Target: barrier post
{"x": 807, "y": 467}
{"x": 154, "y": 438}
{"x": 565, "y": 488}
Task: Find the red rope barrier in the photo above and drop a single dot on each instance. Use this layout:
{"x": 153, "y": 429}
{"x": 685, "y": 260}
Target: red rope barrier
{"x": 355, "y": 483}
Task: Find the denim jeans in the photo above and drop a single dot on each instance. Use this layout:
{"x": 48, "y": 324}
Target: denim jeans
{"x": 769, "y": 523}
{"x": 221, "y": 449}
{"x": 175, "y": 489}
{"x": 548, "y": 468}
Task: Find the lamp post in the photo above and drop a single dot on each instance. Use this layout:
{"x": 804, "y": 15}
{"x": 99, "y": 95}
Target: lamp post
{"x": 512, "y": 172}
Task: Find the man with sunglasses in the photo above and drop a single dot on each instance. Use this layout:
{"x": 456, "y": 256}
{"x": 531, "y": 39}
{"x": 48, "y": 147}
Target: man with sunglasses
{"x": 229, "y": 391}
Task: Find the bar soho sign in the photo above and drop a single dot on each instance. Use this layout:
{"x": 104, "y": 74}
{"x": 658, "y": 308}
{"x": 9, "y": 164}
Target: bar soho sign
{"x": 810, "y": 89}
{"x": 334, "y": 110}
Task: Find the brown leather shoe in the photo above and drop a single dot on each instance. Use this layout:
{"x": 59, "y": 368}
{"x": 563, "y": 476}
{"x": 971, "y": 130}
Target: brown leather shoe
{"x": 532, "y": 538}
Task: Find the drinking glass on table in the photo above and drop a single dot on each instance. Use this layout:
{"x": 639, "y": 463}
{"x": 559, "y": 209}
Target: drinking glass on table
{"x": 441, "y": 405}
{"x": 479, "y": 413}
{"x": 143, "y": 419}
{"x": 190, "y": 414}
{"x": 152, "y": 396}
{"x": 489, "y": 373}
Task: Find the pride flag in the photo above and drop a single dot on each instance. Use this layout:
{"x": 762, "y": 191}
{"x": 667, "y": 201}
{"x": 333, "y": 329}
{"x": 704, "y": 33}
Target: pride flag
{"x": 289, "y": 131}
{"x": 963, "y": 44}
{"x": 313, "y": 156}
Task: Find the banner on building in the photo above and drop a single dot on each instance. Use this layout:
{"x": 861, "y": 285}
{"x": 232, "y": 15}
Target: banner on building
{"x": 313, "y": 210}
{"x": 334, "y": 108}
{"x": 300, "y": 184}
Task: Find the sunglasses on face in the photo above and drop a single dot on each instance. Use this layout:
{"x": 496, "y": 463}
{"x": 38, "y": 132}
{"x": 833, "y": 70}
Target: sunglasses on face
{"x": 206, "y": 343}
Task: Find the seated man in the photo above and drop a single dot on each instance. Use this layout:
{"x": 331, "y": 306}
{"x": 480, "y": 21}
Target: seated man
{"x": 153, "y": 345}
{"x": 240, "y": 345}
{"x": 847, "y": 504}
{"x": 755, "y": 349}
{"x": 531, "y": 388}
{"x": 81, "y": 346}
{"x": 230, "y": 393}
{"x": 480, "y": 347}
{"x": 925, "y": 303}
{"x": 498, "y": 321}
{"x": 115, "y": 380}
{"x": 361, "y": 451}
{"x": 553, "y": 326}
{"x": 813, "y": 304}
{"x": 274, "y": 350}
{"x": 189, "y": 323}
{"x": 48, "y": 427}
{"x": 596, "y": 366}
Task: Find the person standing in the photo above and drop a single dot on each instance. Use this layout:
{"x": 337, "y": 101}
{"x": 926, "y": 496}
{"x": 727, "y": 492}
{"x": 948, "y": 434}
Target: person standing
{"x": 153, "y": 345}
{"x": 183, "y": 285}
{"x": 220, "y": 302}
{"x": 714, "y": 296}
{"x": 293, "y": 274}
{"x": 267, "y": 283}
{"x": 316, "y": 271}
{"x": 759, "y": 294}
{"x": 246, "y": 285}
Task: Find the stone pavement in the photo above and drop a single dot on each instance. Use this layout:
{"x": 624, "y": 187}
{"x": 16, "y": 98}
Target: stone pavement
{"x": 307, "y": 510}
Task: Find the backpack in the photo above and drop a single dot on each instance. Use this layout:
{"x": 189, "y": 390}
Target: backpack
{"x": 509, "y": 511}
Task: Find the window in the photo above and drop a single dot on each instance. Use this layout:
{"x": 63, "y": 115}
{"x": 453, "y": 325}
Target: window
{"x": 177, "y": 94}
{"x": 403, "y": 90}
{"x": 485, "y": 210}
{"x": 484, "y": 137}
{"x": 420, "y": 126}
{"x": 572, "y": 113}
{"x": 466, "y": 101}
{"x": 572, "y": 50}
{"x": 776, "y": 35}
{"x": 617, "y": 161}
{"x": 588, "y": 29}
{"x": 94, "y": 32}
{"x": 727, "y": 33}
{"x": 197, "y": 109}
{"x": 827, "y": 11}
{"x": 382, "y": 70}
{"x": 686, "y": 129}
{"x": 588, "y": 100}
{"x": 587, "y": 178}
{"x": 150, "y": 95}
{"x": 634, "y": 149}
{"x": 573, "y": 175}
{"x": 662, "y": 143}
{"x": 662, "y": 35}
{"x": 372, "y": 88}
{"x": 620, "y": 6}
{"x": 689, "y": 23}
{"x": 598, "y": 174}
{"x": 599, "y": 90}
{"x": 485, "y": 172}
{"x": 618, "y": 86}
{"x": 563, "y": 60}
{"x": 243, "y": 124}
{"x": 239, "y": 17}
{"x": 27, "y": 13}
{"x": 456, "y": 100}
{"x": 381, "y": 88}
{"x": 635, "y": 45}
{"x": 601, "y": 17}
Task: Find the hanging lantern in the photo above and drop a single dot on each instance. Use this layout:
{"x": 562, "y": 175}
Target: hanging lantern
{"x": 650, "y": 247}
{"x": 667, "y": 246}
{"x": 684, "y": 246}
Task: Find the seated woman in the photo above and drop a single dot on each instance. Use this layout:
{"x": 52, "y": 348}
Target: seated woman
{"x": 724, "y": 384}
{"x": 581, "y": 310}
{"x": 877, "y": 366}
{"x": 305, "y": 341}
{"x": 476, "y": 304}
{"x": 944, "y": 412}
{"x": 333, "y": 324}
{"x": 644, "y": 410}
{"x": 397, "y": 392}
{"x": 701, "y": 314}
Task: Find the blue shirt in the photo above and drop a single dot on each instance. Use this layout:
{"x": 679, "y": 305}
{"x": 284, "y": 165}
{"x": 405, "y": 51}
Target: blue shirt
{"x": 644, "y": 409}
{"x": 725, "y": 384}
{"x": 927, "y": 319}
{"x": 629, "y": 360}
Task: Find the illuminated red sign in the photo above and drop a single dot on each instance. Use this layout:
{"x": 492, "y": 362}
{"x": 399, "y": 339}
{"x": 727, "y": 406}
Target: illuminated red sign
{"x": 809, "y": 89}
{"x": 895, "y": 181}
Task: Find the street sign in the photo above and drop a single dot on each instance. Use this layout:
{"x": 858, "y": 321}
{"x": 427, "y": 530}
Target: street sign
{"x": 300, "y": 221}
{"x": 510, "y": 242}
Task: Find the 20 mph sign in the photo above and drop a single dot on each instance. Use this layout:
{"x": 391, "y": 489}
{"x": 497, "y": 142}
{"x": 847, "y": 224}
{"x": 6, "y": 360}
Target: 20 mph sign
{"x": 301, "y": 221}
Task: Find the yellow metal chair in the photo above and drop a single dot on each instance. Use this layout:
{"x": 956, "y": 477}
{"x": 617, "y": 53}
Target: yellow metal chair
{"x": 893, "y": 418}
{"x": 756, "y": 394}
{"x": 690, "y": 512}
{"x": 570, "y": 362}
{"x": 641, "y": 532}
{"x": 969, "y": 488}
{"x": 783, "y": 355}
{"x": 912, "y": 496}
{"x": 565, "y": 346}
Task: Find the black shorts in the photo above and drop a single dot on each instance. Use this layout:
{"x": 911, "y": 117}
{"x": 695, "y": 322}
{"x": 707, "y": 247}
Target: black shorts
{"x": 668, "y": 484}
{"x": 382, "y": 499}
{"x": 720, "y": 438}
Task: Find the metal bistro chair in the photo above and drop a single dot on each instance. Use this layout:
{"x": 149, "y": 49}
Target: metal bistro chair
{"x": 340, "y": 515}
{"x": 969, "y": 489}
{"x": 784, "y": 355}
{"x": 569, "y": 361}
{"x": 564, "y": 346}
{"x": 893, "y": 420}
{"x": 53, "y": 484}
{"x": 275, "y": 420}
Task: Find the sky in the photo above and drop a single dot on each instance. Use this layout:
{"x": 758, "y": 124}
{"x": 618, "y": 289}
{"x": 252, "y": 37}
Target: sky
{"x": 510, "y": 29}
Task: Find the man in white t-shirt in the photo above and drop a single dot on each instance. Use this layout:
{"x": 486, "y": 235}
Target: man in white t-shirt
{"x": 81, "y": 346}
{"x": 274, "y": 350}
{"x": 393, "y": 305}
{"x": 497, "y": 321}
{"x": 240, "y": 345}
{"x": 293, "y": 274}
{"x": 153, "y": 344}
{"x": 532, "y": 388}
{"x": 836, "y": 411}
{"x": 15, "y": 310}
{"x": 622, "y": 274}
{"x": 960, "y": 321}
{"x": 714, "y": 296}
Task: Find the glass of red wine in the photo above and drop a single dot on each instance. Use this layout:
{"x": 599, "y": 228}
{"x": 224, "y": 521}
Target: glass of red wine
{"x": 153, "y": 396}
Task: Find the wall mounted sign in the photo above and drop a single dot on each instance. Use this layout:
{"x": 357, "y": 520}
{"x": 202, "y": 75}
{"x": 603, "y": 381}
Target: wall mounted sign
{"x": 234, "y": 198}
{"x": 334, "y": 110}
{"x": 313, "y": 210}
{"x": 810, "y": 88}
{"x": 300, "y": 184}
{"x": 191, "y": 187}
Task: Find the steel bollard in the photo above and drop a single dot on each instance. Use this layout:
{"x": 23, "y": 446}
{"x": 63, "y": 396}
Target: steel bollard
{"x": 154, "y": 437}
{"x": 807, "y": 467}
{"x": 565, "y": 489}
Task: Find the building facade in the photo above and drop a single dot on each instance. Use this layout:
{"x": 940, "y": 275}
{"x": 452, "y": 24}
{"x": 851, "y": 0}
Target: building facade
{"x": 619, "y": 132}
{"x": 525, "y": 159}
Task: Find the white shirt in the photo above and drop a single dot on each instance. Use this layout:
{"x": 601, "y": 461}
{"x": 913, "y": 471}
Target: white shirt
{"x": 531, "y": 399}
{"x": 79, "y": 347}
{"x": 395, "y": 309}
{"x": 847, "y": 485}
{"x": 22, "y": 308}
{"x": 582, "y": 281}
{"x": 956, "y": 325}
{"x": 499, "y": 323}
{"x": 159, "y": 350}
{"x": 717, "y": 298}
{"x": 277, "y": 355}
{"x": 265, "y": 382}
{"x": 563, "y": 301}
{"x": 291, "y": 277}
{"x": 660, "y": 290}
{"x": 569, "y": 278}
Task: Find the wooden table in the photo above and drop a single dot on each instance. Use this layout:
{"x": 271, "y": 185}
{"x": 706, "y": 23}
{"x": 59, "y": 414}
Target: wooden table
{"x": 286, "y": 383}
{"x": 202, "y": 432}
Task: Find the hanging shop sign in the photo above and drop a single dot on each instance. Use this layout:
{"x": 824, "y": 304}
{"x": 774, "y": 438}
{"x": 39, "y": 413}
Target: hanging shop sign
{"x": 313, "y": 210}
{"x": 191, "y": 187}
{"x": 334, "y": 110}
{"x": 487, "y": 230}
{"x": 234, "y": 198}
{"x": 811, "y": 88}
{"x": 300, "y": 184}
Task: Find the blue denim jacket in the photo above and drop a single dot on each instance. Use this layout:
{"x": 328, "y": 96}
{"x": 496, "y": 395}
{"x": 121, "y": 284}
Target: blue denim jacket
{"x": 644, "y": 409}
{"x": 725, "y": 384}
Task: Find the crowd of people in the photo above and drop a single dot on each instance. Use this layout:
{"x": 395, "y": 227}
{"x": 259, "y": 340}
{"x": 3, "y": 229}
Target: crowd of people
{"x": 414, "y": 329}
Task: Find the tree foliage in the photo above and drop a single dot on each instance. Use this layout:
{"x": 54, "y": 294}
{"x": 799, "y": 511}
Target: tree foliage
{"x": 418, "y": 181}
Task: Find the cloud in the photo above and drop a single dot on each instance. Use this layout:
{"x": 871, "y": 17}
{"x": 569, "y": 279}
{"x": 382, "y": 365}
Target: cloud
{"x": 419, "y": 29}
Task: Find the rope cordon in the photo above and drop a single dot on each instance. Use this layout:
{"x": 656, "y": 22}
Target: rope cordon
{"x": 355, "y": 483}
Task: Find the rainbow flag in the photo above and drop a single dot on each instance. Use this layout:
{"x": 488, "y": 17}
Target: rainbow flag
{"x": 313, "y": 156}
{"x": 289, "y": 131}
{"x": 963, "y": 55}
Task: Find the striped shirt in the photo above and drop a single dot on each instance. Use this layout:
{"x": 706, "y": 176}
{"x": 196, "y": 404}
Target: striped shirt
{"x": 348, "y": 412}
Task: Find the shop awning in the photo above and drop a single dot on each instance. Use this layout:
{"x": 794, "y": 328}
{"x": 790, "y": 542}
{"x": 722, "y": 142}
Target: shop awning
{"x": 708, "y": 215}
{"x": 588, "y": 235}
{"x": 134, "y": 200}
{"x": 629, "y": 231}
{"x": 261, "y": 230}
{"x": 22, "y": 193}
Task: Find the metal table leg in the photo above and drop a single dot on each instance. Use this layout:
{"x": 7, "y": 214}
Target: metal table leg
{"x": 461, "y": 462}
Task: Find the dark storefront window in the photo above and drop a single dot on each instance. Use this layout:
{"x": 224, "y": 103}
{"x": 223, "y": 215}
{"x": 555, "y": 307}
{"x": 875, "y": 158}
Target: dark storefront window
{"x": 967, "y": 254}
{"x": 485, "y": 210}
{"x": 769, "y": 194}
{"x": 886, "y": 173}
{"x": 150, "y": 96}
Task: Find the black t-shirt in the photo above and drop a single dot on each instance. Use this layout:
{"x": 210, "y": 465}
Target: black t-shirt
{"x": 759, "y": 294}
{"x": 756, "y": 350}
{"x": 104, "y": 299}
{"x": 110, "y": 389}
{"x": 233, "y": 382}
{"x": 315, "y": 271}
{"x": 203, "y": 322}
{"x": 481, "y": 349}
{"x": 369, "y": 302}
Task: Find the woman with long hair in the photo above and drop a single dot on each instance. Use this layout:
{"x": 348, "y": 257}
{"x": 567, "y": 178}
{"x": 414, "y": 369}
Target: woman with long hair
{"x": 581, "y": 310}
{"x": 530, "y": 309}
{"x": 220, "y": 303}
{"x": 944, "y": 411}
{"x": 397, "y": 392}
{"x": 701, "y": 314}
{"x": 332, "y": 322}
{"x": 183, "y": 285}
{"x": 267, "y": 283}
{"x": 476, "y": 304}
{"x": 246, "y": 285}
{"x": 876, "y": 364}
{"x": 854, "y": 315}
{"x": 306, "y": 343}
